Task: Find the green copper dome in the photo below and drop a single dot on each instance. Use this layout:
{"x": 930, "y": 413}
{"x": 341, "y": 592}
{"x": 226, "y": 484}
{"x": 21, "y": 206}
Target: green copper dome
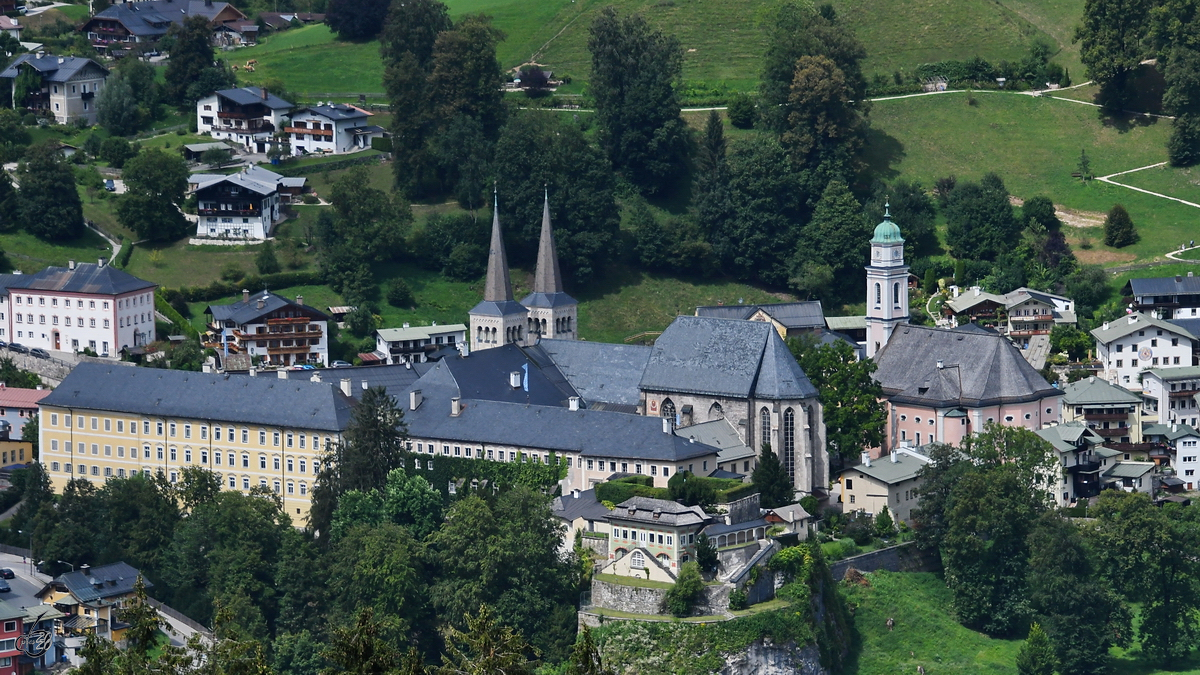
{"x": 887, "y": 232}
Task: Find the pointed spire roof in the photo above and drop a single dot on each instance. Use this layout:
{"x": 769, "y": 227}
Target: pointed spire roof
{"x": 497, "y": 292}
{"x": 499, "y": 286}
{"x": 547, "y": 279}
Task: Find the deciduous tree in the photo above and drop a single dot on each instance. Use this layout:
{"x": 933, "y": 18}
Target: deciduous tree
{"x": 155, "y": 183}
{"x": 980, "y": 221}
{"x": 850, "y": 397}
{"x": 47, "y": 203}
{"x": 191, "y": 54}
{"x": 1111, "y": 45}
{"x": 116, "y": 107}
{"x": 823, "y": 122}
{"x": 356, "y": 19}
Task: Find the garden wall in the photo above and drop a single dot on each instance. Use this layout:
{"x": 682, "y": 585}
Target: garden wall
{"x": 902, "y": 558}
{"x": 624, "y": 598}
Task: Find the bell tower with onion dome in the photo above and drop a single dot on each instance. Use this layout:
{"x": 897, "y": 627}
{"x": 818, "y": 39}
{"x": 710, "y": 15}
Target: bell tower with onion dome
{"x": 887, "y": 284}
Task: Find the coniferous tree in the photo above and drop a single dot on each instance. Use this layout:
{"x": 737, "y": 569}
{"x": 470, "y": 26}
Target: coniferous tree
{"x": 775, "y": 489}
{"x": 706, "y": 553}
{"x": 1118, "y": 228}
{"x": 1036, "y": 656}
{"x": 486, "y": 647}
{"x": 585, "y": 657}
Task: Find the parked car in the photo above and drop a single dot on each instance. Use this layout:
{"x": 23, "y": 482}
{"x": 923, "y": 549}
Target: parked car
{"x": 110, "y": 185}
{"x": 339, "y": 364}
{"x": 18, "y": 348}
{"x": 3, "y": 344}
{"x": 39, "y": 353}
{"x": 6, "y": 573}
{"x": 4, "y": 587}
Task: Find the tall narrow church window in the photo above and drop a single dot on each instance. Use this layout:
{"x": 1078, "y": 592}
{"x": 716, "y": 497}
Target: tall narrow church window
{"x": 878, "y": 294}
{"x": 764, "y": 425}
{"x": 896, "y": 294}
{"x": 668, "y": 410}
{"x": 715, "y": 412}
{"x": 789, "y": 442}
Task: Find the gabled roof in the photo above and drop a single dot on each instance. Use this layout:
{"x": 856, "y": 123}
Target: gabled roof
{"x": 101, "y": 582}
{"x": 418, "y": 332}
{"x": 149, "y": 18}
{"x": 1067, "y": 437}
{"x": 978, "y": 368}
{"x": 844, "y": 323}
{"x": 270, "y": 401}
{"x": 1129, "y": 470}
{"x": 1171, "y": 432}
{"x": 1174, "y": 374}
{"x": 586, "y": 506}
{"x": 1097, "y": 391}
{"x": 1127, "y": 325}
{"x": 203, "y": 181}
{"x": 599, "y": 371}
{"x": 18, "y": 397}
{"x": 643, "y": 510}
{"x": 807, "y": 314}
{"x": 254, "y": 95}
{"x": 52, "y": 68}
{"x": 243, "y": 312}
{"x": 719, "y": 434}
{"x": 724, "y": 357}
{"x": 884, "y": 470}
{"x": 792, "y": 513}
{"x": 334, "y": 111}
{"x": 971, "y": 298}
{"x": 91, "y": 278}
{"x": 484, "y": 375}
{"x": 1180, "y": 285}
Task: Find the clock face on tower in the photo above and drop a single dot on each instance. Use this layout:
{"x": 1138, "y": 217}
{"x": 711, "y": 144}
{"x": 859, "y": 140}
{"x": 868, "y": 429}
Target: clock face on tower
{"x": 896, "y": 253}
{"x": 877, "y": 254}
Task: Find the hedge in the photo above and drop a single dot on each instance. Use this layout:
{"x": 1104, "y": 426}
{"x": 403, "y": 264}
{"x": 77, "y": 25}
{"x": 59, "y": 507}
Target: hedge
{"x": 222, "y": 289}
{"x": 446, "y": 470}
{"x": 733, "y": 494}
{"x": 123, "y": 258}
{"x": 616, "y": 491}
{"x": 175, "y": 317}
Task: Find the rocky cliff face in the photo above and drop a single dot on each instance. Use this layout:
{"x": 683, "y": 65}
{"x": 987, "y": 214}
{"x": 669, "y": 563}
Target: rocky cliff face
{"x": 763, "y": 658}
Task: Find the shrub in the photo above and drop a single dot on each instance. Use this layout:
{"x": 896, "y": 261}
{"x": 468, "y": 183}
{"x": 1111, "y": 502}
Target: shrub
{"x": 738, "y": 600}
{"x": 683, "y": 595}
{"x": 741, "y": 111}
{"x": 232, "y": 272}
{"x": 861, "y": 529}
{"x": 810, "y": 504}
{"x": 310, "y": 198}
{"x": 399, "y": 294}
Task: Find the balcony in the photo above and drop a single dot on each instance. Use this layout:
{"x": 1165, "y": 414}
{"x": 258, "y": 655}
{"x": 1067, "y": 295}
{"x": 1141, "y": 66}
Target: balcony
{"x": 1184, "y": 393}
{"x": 314, "y": 132}
{"x": 230, "y": 212}
{"x": 1106, "y": 417}
{"x": 1113, "y": 433}
{"x": 293, "y": 349}
{"x": 288, "y": 320}
{"x": 1084, "y": 467}
{"x": 232, "y": 115}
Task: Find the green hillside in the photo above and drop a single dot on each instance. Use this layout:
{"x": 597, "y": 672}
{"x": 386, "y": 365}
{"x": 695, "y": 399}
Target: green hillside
{"x": 723, "y": 39}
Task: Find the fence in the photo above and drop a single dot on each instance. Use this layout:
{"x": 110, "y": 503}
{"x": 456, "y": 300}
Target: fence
{"x": 179, "y": 616}
{"x": 14, "y": 550}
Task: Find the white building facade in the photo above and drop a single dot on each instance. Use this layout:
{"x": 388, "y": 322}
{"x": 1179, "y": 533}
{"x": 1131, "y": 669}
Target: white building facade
{"x": 410, "y": 344}
{"x": 1136, "y": 343}
{"x": 334, "y": 128}
{"x": 887, "y": 285}
{"x": 248, "y": 116}
{"x": 81, "y": 306}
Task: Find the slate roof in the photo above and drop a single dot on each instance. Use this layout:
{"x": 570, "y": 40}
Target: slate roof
{"x": 599, "y": 371}
{"x": 792, "y": 513}
{"x": 140, "y": 18}
{"x": 641, "y": 510}
{"x": 115, "y": 579}
{"x": 979, "y": 369}
{"x": 253, "y": 95}
{"x": 906, "y": 467}
{"x": 585, "y": 506}
{"x": 484, "y": 375}
{"x": 719, "y": 434}
{"x": 90, "y": 278}
{"x": 1097, "y": 391}
{"x": 244, "y": 312}
{"x": 1127, "y": 325}
{"x": 50, "y": 68}
{"x": 806, "y": 314}
{"x": 267, "y": 401}
{"x": 724, "y": 357}
{"x": 1180, "y": 285}
{"x": 1192, "y": 326}
{"x": 592, "y": 433}
{"x": 9, "y": 611}
{"x": 207, "y": 180}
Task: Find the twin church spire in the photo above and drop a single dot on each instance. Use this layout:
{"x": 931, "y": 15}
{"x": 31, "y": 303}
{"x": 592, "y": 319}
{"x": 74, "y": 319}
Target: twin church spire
{"x": 546, "y": 312}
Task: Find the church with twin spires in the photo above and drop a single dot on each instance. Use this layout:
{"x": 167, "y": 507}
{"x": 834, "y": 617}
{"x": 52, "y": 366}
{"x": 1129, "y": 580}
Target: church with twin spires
{"x": 547, "y": 312}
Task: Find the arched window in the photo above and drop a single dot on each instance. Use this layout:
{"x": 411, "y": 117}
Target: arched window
{"x": 878, "y": 294}
{"x": 896, "y": 294}
{"x": 764, "y": 425}
{"x": 637, "y": 561}
{"x": 789, "y": 442}
{"x": 715, "y": 412}
{"x": 668, "y": 410}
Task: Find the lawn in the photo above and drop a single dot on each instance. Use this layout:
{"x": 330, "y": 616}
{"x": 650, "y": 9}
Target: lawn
{"x": 1180, "y": 182}
{"x": 1033, "y": 143}
{"x": 29, "y": 254}
{"x": 927, "y": 635}
{"x": 634, "y": 581}
{"x": 179, "y": 264}
{"x": 310, "y": 61}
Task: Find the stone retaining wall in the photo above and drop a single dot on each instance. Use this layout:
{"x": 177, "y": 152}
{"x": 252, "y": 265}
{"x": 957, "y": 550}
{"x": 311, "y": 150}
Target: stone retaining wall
{"x": 902, "y": 558}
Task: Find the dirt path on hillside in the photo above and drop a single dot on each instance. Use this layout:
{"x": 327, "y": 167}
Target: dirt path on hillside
{"x": 1069, "y": 217}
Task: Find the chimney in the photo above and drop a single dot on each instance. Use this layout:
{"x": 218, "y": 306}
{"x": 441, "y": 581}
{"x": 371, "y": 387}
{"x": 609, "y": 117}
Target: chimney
{"x": 300, "y": 300}
{"x": 1105, "y": 325}
{"x": 70, "y": 264}
{"x": 573, "y": 403}
{"x": 514, "y": 379}
{"x": 346, "y": 386}
{"x": 261, "y": 302}
{"x": 281, "y": 373}
{"x": 253, "y": 371}
{"x": 941, "y": 364}
{"x": 455, "y": 406}
{"x": 666, "y": 425}
{"x": 264, "y": 92}
{"x": 61, "y": 60}
{"x": 976, "y": 289}
{"x": 1174, "y": 428}
{"x": 866, "y": 459}
{"x": 40, "y": 387}
{"x": 206, "y": 368}
{"x": 414, "y": 399}
{"x": 1132, "y": 319}
{"x": 316, "y": 376}
{"x": 246, "y": 295}
{"x": 1178, "y": 278}
{"x": 575, "y": 493}
{"x": 86, "y": 569}
{"x": 895, "y": 457}
{"x": 406, "y": 324}
{"x": 100, "y": 262}
{"x": 364, "y": 385}
{"x": 464, "y": 348}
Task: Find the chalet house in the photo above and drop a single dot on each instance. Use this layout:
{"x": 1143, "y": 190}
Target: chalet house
{"x": 238, "y": 206}
{"x": 790, "y": 319}
{"x": 123, "y": 24}
{"x": 410, "y": 344}
{"x": 331, "y": 128}
{"x": 792, "y": 518}
{"x": 1169, "y": 395}
{"x": 1082, "y": 458}
{"x": 942, "y": 385}
{"x": 236, "y": 33}
{"x": 890, "y": 482}
{"x": 1175, "y": 297}
{"x": 269, "y": 326}
{"x": 652, "y": 538}
{"x": 69, "y": 85}
{"x": 91, "y": 597}
{"x": 1133, "y": 344}
{"x": 1019, "y": 314}
{"x": 80, "y": 306}
{"x": 1130, "y": 477}
{"x": 9, "y": 25}
{"x": 248, "y": 116}
{"x": 580, "y": 510}
{"x": 1183, "y": 450}
{"x": 17, "y": 406}
{"x": 1110, "y": 411}
{"x": 281, "y": 20}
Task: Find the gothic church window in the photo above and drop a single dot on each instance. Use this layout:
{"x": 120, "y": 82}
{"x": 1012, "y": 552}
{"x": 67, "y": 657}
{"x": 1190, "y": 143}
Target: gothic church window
{"x": 668, "y": 410}
{"x": 764, "y": 423}
{"x": 789, "y": 442}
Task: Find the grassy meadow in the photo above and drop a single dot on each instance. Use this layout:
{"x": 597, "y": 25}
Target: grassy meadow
{"x": 926, "y": 634}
